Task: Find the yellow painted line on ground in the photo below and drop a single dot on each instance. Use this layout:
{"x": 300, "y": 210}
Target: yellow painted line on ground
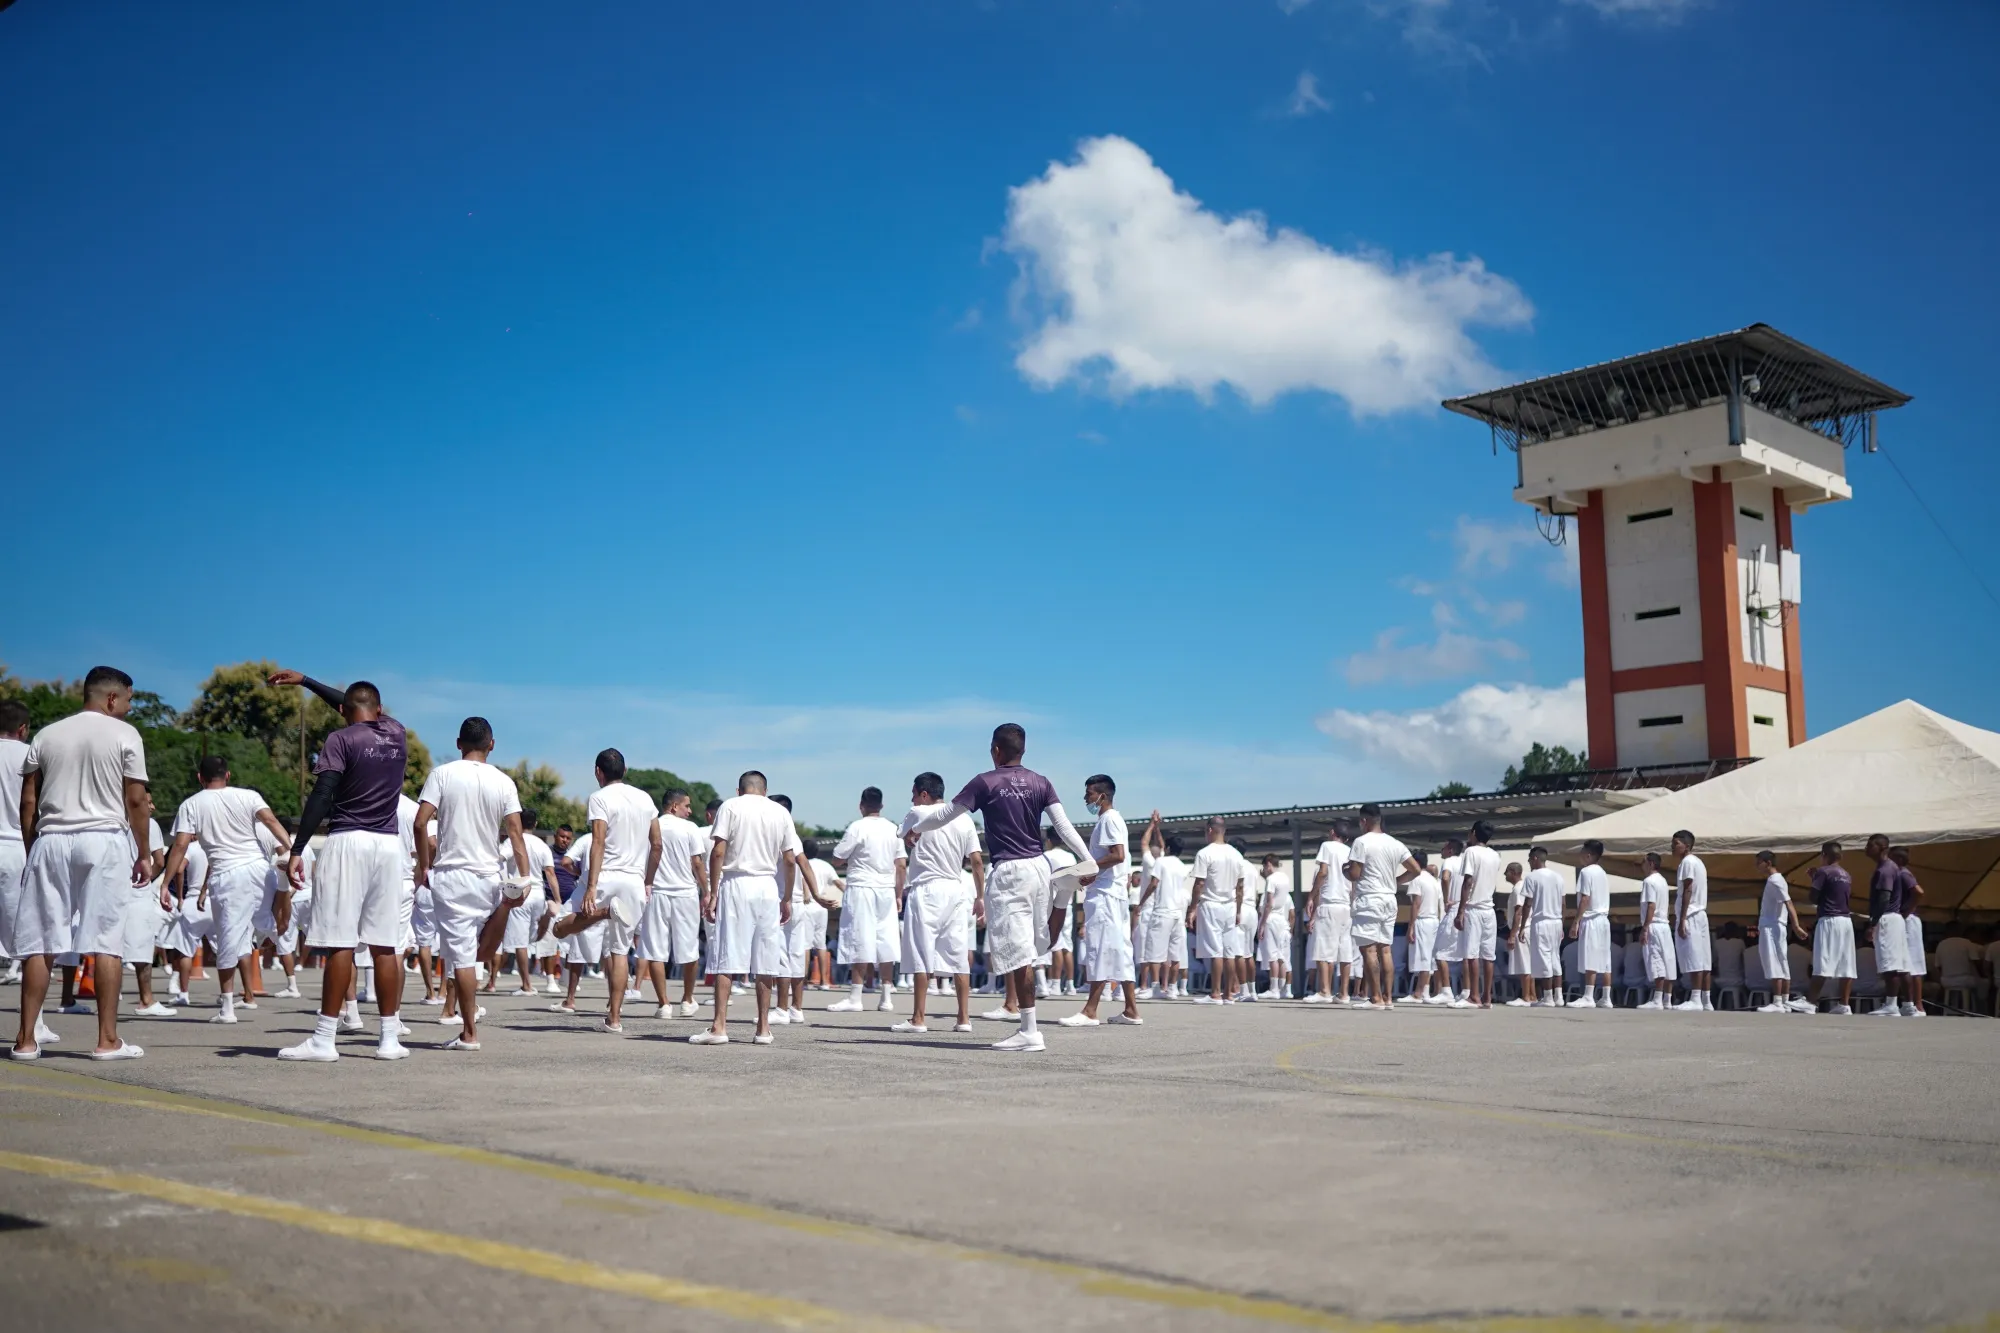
{"x": 751, "y": 1307}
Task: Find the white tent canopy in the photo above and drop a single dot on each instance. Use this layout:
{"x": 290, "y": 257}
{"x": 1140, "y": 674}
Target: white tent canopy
{"x": 1927, "y": 781}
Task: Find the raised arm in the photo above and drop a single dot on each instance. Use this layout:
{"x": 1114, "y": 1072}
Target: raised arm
{"x": 332, "y": 697}
{"x": 934, "y": 817}
{"x": 1067, "y": 832}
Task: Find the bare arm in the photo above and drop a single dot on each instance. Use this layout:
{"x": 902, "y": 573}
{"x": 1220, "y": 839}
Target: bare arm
{"x": 425, "y": 813}
{"x": 136, "y": 816}
{"x": 31, "y": 789}
{"x": 177, "y": 858}
{"x": 599, "y": 831}
{"x": 511, "y": 826}
{"x": 655, "y": 846}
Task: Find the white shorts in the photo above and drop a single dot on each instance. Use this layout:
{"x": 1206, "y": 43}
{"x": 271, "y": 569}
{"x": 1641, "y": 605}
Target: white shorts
{"x": 1374, "y": 919}
{"x": 357, "y": 898}
{"x": 1446, "y": 950}
{"x": 1833, "y": 947}
{"x": 406, "y": 913}
{"x": 521, "y": 919}
{"x": 1892, "y": 943}
{"x": 75, "y": 888}
{"x": 586, "y": 947}
{"x": 1593, "y": 947}
{"x": 1106, "y": 954}
{"x": 797, "y": 936}
{"x": 13, "y": 860}
{"x": 1423, "y": 945}
{"x": 1545, "y": 947}
{"x": 817, "y": 916}
{"x": 1481, "y": 935}
{"x": 670, "y": 929}
{"x": 462, "y": 901}
{"x": 423, "y": 920}
{"x": 1333, "y": 935}
{"x": 188, "y": 927}
{"x": 1660, "y": 952}
{"x": 1234, "y": 945}
{"x": 868, "y": 932}
{"x": 1694, "y": 949}
{"x": 1274, "y": 943}
{"x": 143, "y": 919}
{"x": 1517, "y": 954}
{"x": 1157, "y": 933}
{"x": 627, "y": 892}
{"x": 1773, "y": 953}
{"x": 1017, "y": 914}
{"x": 1913, "y": 953}
{"x": 937, "y": 938}
{"x": 239, "y": 899}
{"x": 1213, "y": 922}
{"x": 747, "y": 936}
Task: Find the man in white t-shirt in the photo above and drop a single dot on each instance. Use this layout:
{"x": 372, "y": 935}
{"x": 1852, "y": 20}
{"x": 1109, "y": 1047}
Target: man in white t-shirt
{"x": 625, "y": 848}
{"x": 1107, "y": 910}
{"x": 1274, "y": 927}
{"x": 242, "y": 884}
{"x": 1658, "y": 930}
{"x": 526, "y": 918}
{"x": 1377, "y": 866}
{"x": 798, "y": 882}
{"x": 1218, "y": 899}
{"x": 477, "y": 807}
{"x": 670, "y": 931}
{"x": 1692, "y": 944}
{"x": 1451, "y": 883}
{"x": 1162, "y": 913}
{"x": 870, "y": 853}
{"x": 753, "y": 838}
{"x": 13, "y": 856}
{"x": 1478, "y": 930}
{"x": 937, "y": 921}
{"x": 1426, "y": 907}
{"x": 1777, "y": 926}
{"x": 85, "y": 833}
{"x": 1592, "y": 929}
{"x": 1539, "y": 923}
{"x": 1329, "y": 917}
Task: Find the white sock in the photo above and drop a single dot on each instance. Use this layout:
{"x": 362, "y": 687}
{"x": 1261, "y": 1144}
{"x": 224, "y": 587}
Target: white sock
{"x": 1028, "y": 1019}
{"x": 854, "y": 992}
{"x": 1604, "y": 995}
{"x": 325, "y": 1027}
{"x": 351, "y": 1011}
{"x": 229, "y": 1002}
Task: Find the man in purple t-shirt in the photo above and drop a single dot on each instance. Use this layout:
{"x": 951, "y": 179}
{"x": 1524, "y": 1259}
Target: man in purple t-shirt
{"x": 358, "y": 887}
{"x": 1833, "y": 932}
{"x": 1012, "y": 800}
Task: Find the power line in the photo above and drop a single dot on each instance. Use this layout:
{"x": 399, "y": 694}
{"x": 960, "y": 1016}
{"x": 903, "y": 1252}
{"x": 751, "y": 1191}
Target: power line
{"x": 1929, "y": 513}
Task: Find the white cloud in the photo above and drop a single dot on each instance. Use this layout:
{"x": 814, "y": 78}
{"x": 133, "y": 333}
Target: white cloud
{"x": 966, "y": 415}
{"x": 1488, "y": 548}
{"x": 1471, "y": 737}
{"x": 1131, "y": 281}
{"x": 1450, "y": 654}
{"x": 1293, "y": 6}
{"x": 1306, "y": 98}
{"x": 1663, "y": 11}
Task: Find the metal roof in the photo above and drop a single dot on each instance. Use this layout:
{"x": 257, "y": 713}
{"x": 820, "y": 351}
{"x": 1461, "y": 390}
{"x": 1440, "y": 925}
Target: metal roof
{"x": 1777, "y": 374}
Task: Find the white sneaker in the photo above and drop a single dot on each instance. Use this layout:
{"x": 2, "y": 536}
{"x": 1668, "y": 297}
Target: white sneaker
{"x": 1206, "y": 999}
{"x": 553, "y": 988}
{"x": 1077, "y": 1021}
{"x": 606, "y": 1025}
{"x": 154, "y": 1010}
{"x": 797, "y": 1015}
{"x": 1585, "y": 1003}
{"x": 1909, "y": 1010}
{"x": 1801, "y": 1006}
{"x": 348, "y": 1024}
{"x": 961, "y": 1027}
{"x": 391, "y": 1049}
{"x": 222, "y": 1018}
{"x": 1518, "y": 1003}
{"x": 781, "y": 1016}
{"x": 708, "y": 1037}
{"x": 124, "y": 1050}
{"x": 1773, "y": 1008}
{"x": 1548, "y": 1002}
{"x": 1001, "y": 1015}
{"x": 46, "y": 1035}
{"x": 437, "y": 1001}
{"x": 1021, "y": 1041}
{"x": 762, "y": 1039}
{"x": 907, "y": 1026}
{"x": 1317, "y": 998}
{"x": 461, "y": 1044}
{"x": 886, "y": 1005}
{"x": 1886, "y": 1010}
{"x": 1654, "y": 1003}
{"x": 664, "y": 1011}
{"x": 1460, "y": 1003}
{"x": 290, "y": 992}
{"x": 312, "y": 1048}
{"x": 1841, "y": 1009}
{"x": 1689, "y": 1006}
{"x": 1408, "y": 999}
{"x": 686, "y": 1009}
{"x": 1120, "y": 1020}
{"x": 1436, "y": 999}
{"x": 848, "y": 1006}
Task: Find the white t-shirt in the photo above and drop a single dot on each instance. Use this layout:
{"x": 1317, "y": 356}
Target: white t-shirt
{"x": 540, "y": 860}
{"x": 194, "y": 871}
{"x": 12, "y": 752}
{"x": 84, "y": 761}
{"x": 1481, "y": 867}
{"x": 1275, "y": 893}
{"x": 1954, "y": 959}
{"x": 1333, "y": 856}
{"x": 1771, "y": 911}
{"x": 628, "y": 816}
{"x": 1545, "y": 894}
{"x": 1426, "y": 896}
{"x": 1381, "y": 858}
{"x": 1693, "y": 879}
{"x": 224, "y": 821}
{"x": 1220, "y": 870}
{"x": 406, "y": 829}
{"x": 940, "y": 854}
{"x": 828, "y": 879}
{"x": 680, "y": 843}
{"x": 1450, "y": 871}
{"x": 1059, "y": 859}
{"x": 871, "y": 847}
{"x": 1109, "y": 832}
{"x": 578, "y": 854}
{"x": 1593, "y": 891}
{"x": 1653, "y": 892}
{"x": 756, "y": 831}
{"x": 471, "y": 797}
{"x": 1170, "y": 876}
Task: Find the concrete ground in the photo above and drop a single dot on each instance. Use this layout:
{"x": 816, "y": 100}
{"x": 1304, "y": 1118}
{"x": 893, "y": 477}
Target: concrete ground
{"x": 1264, "y": 1165}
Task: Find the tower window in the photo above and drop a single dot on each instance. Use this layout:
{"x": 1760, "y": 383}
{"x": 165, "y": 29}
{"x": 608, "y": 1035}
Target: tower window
{"x": 1659, "y": 613}
{"x": 1763, "y": 721}
{"x": 1750, "y": 513}
{"x": 1649, "y": 514}
{"x": 1673, "y": 721}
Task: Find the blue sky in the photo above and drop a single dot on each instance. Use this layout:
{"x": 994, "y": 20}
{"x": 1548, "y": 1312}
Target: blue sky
{"x": 769, "y": 384}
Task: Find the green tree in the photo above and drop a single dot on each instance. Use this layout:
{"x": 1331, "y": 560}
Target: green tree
{"x": 541, "y": 791}
{"x": 240, "y": 700}
{"x": 1444, "y": 789}
{"x": 657, "y": 782}
{"x": 47, "y": 700}
{"x": 1542, "y": 759}
{"x": 172, "y": 757}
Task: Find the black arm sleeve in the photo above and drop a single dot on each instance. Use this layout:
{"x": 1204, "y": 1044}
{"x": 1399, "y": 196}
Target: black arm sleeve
{"x": 333, "y": 697}
{"x": 318, "y": 806}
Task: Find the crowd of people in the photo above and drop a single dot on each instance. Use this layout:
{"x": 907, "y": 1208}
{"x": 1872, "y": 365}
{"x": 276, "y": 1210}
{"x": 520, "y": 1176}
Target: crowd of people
{"x": 458, "y": 888}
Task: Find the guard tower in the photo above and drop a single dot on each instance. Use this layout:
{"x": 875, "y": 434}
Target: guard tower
{"x": 1684, "y": 470}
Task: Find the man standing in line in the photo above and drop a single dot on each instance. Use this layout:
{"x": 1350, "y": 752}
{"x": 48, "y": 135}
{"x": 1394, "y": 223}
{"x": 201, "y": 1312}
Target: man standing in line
{"x": 1218, "y": 899}
{"x": 1777, "y": 925}
{"x": 1107, "y": 910}
{"x": 1691, "y": 925}
{"x": 1378, "y": 866}
{"x": 357, "y": 896}
{"x": 753, "y": 836}
{"x": 1833, "y": 930}
{"x": 1274, "y": 929}
{"x": 1592, "y": 929}
{"x": 1658, "y": 932}
{"x": 1886, "y": 930}
{"x": 870, "y": 854}
{"x": 1329, "y": 914}
{"x": 13, "y": 855}
{"x": 1160, "y": 910}
{"x": 798, "y": 882}
{"x": 670, "y": 934}
{"x": 1479, "y": 865}
{"x": 1426, "y": 907}
{"x": 84, "y": 829}
{"x": 476, "y": 806}
{"x": 1451, "y": 885}
{"x": 1541, "y": 921}
{"x": 937, "y": 941}
{"x": 1909, "y": 891}
{"x": 524, "y": 920}
{"x": 242, "y": 884}
{"x": 1013, "y": 799}
{"x": 625, "y": 847}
